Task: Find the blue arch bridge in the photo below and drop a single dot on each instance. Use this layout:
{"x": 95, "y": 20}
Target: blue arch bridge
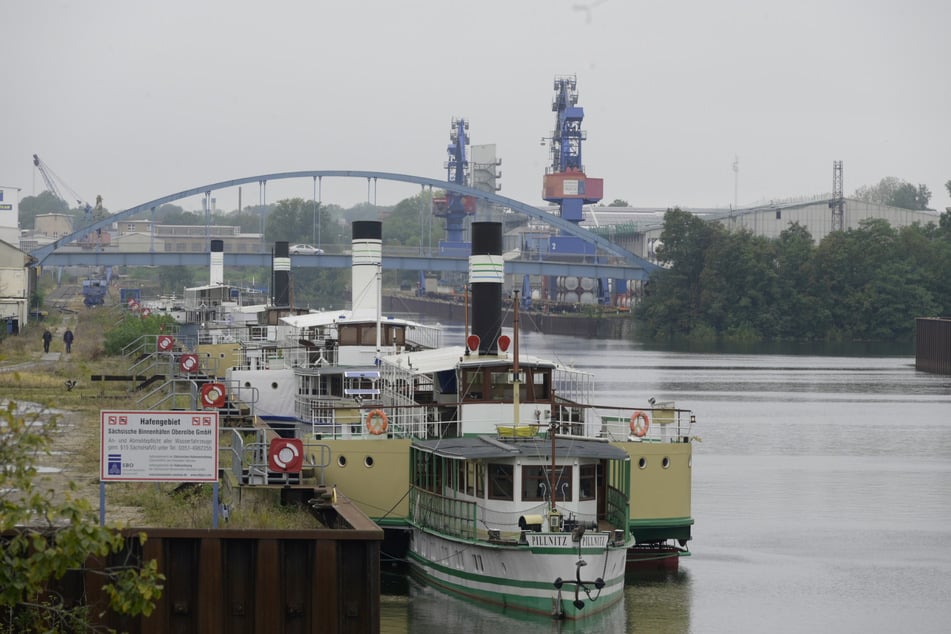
{"x": 612, "y": 261}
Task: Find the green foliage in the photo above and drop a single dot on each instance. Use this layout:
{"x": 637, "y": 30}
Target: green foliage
{"x": 865, "y": 284}
{"x": 895, "y": 193}
{"x": 48, "y": 533}
{"x": 175, "y": 278}
{"x": 410, "y": 223}
{"x": 134, "y": 326}
{"x": 293, "y": 220}
{"x": 43, "y": 203}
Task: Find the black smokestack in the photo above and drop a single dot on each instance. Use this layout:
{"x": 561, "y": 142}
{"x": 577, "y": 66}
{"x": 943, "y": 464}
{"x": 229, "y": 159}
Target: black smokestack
{"x": 486, "y": 272}
{"x": 281, "y": 296}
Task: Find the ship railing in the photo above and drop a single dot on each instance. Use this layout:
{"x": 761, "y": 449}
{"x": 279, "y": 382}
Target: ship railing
{"x": 573, "y": 385}
{"x": 424, "y": 337}
{"x": 245, "y": 452}
{"x": 443, "y": 514}
{"x": 334, "y": 418}
{"x": 272, "y": 357}
{"x": 665, "y": 423}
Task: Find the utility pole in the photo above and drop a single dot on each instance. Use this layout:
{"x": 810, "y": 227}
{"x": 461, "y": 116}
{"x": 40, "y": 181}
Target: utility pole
{"x": 837, "y": 204}
{"x": 736, "y": 181}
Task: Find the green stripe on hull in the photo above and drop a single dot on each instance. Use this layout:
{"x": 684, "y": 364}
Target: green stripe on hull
{"x": 505, "y": 601}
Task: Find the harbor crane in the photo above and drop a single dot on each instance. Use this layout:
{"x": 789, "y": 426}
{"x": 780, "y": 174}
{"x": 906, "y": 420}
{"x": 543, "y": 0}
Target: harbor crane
{"x": 51, "y": 180}
{"x": 456, "y": 208}
{"x": 92, "y": 213}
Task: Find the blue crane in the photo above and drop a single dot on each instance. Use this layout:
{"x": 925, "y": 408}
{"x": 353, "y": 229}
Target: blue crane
{"x": 455, "y": 208}
{"x": 565, "y": 181}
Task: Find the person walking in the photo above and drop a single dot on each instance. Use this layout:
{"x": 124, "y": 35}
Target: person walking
{"x": 68, "y": 340}
{"x": 47, "y": 338}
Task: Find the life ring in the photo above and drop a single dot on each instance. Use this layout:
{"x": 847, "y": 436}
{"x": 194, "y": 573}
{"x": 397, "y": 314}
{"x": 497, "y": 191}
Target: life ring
{"x": 377, "y": 422}
{"x": 636, "y": 428}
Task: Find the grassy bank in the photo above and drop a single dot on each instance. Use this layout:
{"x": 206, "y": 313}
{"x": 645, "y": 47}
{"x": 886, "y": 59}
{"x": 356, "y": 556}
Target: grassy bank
{"x": 60, "y": 385}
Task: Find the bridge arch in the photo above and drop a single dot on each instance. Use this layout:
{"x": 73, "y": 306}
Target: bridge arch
{"x": 564, "y": 225}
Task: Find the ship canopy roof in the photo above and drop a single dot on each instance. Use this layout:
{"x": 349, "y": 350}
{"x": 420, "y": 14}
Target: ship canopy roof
{"x": 485, "y": 447}
{"x": 331, "y": 317}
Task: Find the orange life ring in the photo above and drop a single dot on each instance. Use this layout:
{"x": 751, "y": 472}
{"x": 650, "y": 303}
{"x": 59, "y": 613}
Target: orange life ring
{"x": 636, "y": 428}
{"x": 377, "y": 422}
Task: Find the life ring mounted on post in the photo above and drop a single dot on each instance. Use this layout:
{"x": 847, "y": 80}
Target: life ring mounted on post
{"x": 377, "y": 422}
{"x": 640, "y": 422}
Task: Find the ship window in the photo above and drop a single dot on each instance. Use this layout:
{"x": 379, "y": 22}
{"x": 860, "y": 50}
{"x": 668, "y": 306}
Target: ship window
{"x": 541, "y": 380}
{"x": 501, "y": 481}
{"x": 500, "y": 387}
{"x": 588, "y": 481}
{"x": 472, "y": 384}
{"x": 536, "y": 483}
{"x": 470, "y": 478}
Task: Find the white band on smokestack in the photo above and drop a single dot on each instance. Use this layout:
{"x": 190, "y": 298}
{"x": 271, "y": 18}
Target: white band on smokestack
{"x": 486, "y": 268}
{"x": 367, "y": 251}
{"x": 282, "y": 264}
{"x": 216, "y": 260}
{"x": 367, "y": 256}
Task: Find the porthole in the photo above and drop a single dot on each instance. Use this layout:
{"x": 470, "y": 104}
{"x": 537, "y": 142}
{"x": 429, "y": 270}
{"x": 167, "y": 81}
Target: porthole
{"x": 247, "y": 384}
{"x": 665, "y": 463}
{"x": 274, "y": 385}
{"x": 642, "y": 463}
{"x": 341, "y": 461}
{"x": 368, "y": 462}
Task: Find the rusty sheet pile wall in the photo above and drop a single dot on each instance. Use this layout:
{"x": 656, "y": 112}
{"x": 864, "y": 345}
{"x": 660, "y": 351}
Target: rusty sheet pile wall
{"x": 236, "y": 581}
{"x": 933, "y": 344}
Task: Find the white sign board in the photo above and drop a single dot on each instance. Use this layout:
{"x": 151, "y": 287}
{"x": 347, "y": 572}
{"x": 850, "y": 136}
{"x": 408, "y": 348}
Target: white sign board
{"x": 159, "y": 446}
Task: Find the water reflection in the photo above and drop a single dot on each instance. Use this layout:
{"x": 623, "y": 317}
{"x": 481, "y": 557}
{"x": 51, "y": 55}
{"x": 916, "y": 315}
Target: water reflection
{"x": 424, "y": 610}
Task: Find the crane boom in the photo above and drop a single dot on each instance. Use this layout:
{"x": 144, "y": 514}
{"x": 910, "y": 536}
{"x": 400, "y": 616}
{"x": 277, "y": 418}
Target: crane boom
{"x": 51, "y": 179}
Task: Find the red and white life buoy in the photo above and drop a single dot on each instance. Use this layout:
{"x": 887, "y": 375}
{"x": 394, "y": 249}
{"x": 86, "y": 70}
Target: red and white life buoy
{"x": 377, "y": 422}
{"x": 286, "y": 455}
{"x": 640, "y": 423}
{"x": 212, "y": 395}
{"x": 189, "y": 363}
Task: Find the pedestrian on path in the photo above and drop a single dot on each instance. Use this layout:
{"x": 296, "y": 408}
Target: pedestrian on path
{"x": 68, "y": 340}
{"x": 47, "y": 338}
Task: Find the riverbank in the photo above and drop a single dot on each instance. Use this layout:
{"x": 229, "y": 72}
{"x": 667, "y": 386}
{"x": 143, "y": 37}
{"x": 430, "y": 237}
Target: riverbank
{"x": 591, "y": 322}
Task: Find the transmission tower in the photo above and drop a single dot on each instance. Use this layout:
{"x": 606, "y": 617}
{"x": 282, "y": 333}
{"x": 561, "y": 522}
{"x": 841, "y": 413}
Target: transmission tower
{"x": 837, "y": 204}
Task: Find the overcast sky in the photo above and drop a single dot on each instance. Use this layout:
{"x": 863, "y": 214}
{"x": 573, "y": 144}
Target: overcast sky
{"x": 137, "y": 100}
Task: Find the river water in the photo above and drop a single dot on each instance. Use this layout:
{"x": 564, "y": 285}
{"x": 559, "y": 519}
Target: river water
{"x": 821, "y": 496}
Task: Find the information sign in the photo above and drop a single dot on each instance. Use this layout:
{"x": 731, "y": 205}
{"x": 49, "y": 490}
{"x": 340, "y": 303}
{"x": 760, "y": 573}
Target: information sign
{"x": 162, "y": 446}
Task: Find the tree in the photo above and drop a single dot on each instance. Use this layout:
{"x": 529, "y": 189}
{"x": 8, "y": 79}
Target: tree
{"x": 292, "y": 220}
{"x": 672, "y": 306}
{"x": 43, "y": 203}
{"x": 176, "y": 278}
{"x": 895, "y": 193}
{"x": 44, "y": 538}
{"x": 409, "y": 223}
{"x": 619, "y": 203}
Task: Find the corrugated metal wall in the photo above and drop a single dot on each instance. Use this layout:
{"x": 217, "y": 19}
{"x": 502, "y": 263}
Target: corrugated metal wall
{"x": 235, "y": 581}
{"x": 933, "y": 345}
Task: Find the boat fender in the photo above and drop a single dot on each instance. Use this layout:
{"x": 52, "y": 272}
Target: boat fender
{"x": 640, "y": 422}
{"x": 377, "y": 422}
